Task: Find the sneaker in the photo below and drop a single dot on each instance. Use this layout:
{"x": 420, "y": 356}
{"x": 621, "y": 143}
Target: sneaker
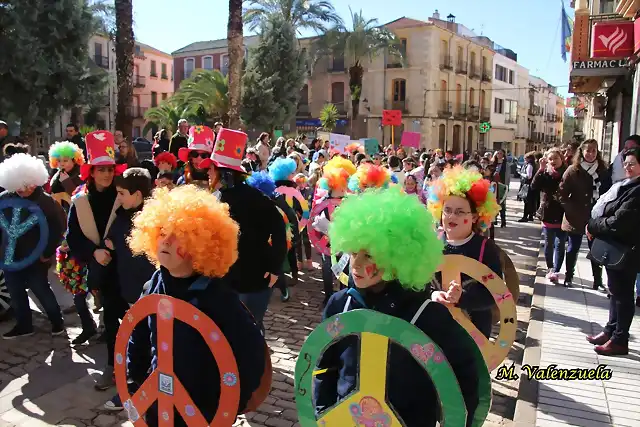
{"x": 552, "y": 276}
{"x": 84, "y": 337}
{"x": 106, "y": 380}
{"x": 568, "y": 282}
{"x": 17, "y": 332}
{"x": 115, "y": 404}
{"x": 308, "y": 265}
{"x": 57, "y": 330}
{"x": 285, "y": 295}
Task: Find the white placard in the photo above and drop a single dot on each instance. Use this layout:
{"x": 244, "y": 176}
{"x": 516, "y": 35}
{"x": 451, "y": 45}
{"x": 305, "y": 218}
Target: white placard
{"x": 339, "y": 142}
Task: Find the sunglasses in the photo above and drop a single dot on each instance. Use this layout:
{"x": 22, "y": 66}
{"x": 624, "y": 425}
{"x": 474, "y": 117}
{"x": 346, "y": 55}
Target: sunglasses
{"x": 194, "y": 154}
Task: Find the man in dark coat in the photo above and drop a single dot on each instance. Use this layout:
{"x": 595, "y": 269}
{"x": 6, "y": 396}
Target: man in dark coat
{"x": 73, "y": 135}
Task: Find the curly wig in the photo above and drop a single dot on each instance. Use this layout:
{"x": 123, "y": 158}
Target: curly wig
{"x": 336, "y": 174}
{"x": 21, "y": 171}
{"x": 395, "y": 229}
{"x": 263, "y": 182}
{"x": 65, "y": 149}
{"x": 166, "y": 157}
{"x": 282, "y": 168}
{"x": 369, "y": 176}
{"x": 469, "y": 184}
{"x": 200, "y": 223}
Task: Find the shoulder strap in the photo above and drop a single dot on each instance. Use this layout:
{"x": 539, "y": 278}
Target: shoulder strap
{"x": 347, "y": 304}
{"x": 484, "y": 243}
{"x": 85, "y": 219}
{"x": 200, "y": 284}
{"x": 112, "y": 218}
{"x": 419, "y": 312}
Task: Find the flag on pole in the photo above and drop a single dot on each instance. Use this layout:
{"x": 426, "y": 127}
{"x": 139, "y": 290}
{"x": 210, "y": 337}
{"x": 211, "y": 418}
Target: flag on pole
{"x": 567, "y": 31}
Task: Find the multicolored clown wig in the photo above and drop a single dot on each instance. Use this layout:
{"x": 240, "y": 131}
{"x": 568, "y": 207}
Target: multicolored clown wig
{"x": 336, "y": 174}
{"x": 469, "y": 184}
{"x": 395, "y": 229}
{"x": 166, "y": 157}
{"x": 369, "y": 176}
{"x": 200, "y": 223}
{"x": 66, "y": 149}
{"x": 282, "y": 168}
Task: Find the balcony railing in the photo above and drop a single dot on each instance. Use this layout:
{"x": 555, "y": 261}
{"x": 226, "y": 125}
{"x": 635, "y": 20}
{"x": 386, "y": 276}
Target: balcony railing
{"x": 474, "y": 72}
{"x": 336, "y": 67}
{"x": 461, "y": 67}
{"x": 342, "y": 106}
{"x": 473, "y": 113}
{"x": 511, "y": 120}
{"x": 164, "y": 77}
{"x": 101, "y": 61}
{"x": 485, "y": 114}
{"x": 445, "y": 63}
{"x": 445, "y": 110}
{"x": 398, "y": 105}
{"x": 139, "y": 81}
{"x": 136, "y": 111}
{"x": 486, "y": 76}
{"x": 459, "y": 111}
{"x": 153, "y": 74}
{"x": 304, "y": 109}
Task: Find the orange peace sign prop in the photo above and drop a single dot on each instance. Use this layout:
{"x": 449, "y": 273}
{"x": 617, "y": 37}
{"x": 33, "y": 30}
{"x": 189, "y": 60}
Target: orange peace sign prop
{"x": 162, "y": 384}
{"x": 494, "y": 352}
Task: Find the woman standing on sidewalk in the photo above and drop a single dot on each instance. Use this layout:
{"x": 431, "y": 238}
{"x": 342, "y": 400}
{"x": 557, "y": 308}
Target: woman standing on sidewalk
{"x": 614, "y": 223}
{"x": 503, "y": 176}
{"x": 582, "y": 184}
{"x": 526, "y": 194}
{"x": 547, "y": 180}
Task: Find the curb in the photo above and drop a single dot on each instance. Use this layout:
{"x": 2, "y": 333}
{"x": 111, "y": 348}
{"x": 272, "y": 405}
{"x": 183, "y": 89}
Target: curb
{"x": 527, "y": 401}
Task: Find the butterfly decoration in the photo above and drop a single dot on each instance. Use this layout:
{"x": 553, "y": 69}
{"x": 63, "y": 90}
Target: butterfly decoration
{"x": 509, "y": 320}
{"x": 501, "y": 297}
{"x": 488, "y": 277}
{"x": 369, "y": 413}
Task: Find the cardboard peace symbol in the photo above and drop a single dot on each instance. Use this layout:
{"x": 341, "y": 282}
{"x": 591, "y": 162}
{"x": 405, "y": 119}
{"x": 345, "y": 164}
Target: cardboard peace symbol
{"x": 367, "y": 406}
{"x": 163, "y": 384}
{"x": 12, "y": 231}
{"x": 494, "y": 352}
{"x": 317, "y": 239}
{"x": 62, "y": 197}
{"x": 338, "y": 266}
{"x": 294, "y": 193}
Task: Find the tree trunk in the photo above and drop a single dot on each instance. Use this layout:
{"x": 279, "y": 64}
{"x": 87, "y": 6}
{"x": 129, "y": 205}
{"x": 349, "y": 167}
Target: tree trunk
{"x": 124, "y": 65}
{"x": 236, "y": 57}
{"x": 356, "y": 73}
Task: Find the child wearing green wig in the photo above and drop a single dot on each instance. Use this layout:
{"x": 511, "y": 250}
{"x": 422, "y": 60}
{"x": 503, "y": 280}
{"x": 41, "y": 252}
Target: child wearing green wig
{"x": 67, "y": 158}
{"x": 394, "y": 252}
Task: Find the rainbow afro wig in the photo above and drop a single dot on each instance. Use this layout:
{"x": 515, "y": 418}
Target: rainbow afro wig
{"x": 263, "y": 182}
{"x": 65, "y": 149}
{"x": 200, "y": 223}
{"x": 336, "y": 174}
{"x": 282, "y": 168}
{"x": 166, "y": 157}
{"x": 395, "y": 229}
{"x": 469, "y": 184}
{"x": 369, "y": 176}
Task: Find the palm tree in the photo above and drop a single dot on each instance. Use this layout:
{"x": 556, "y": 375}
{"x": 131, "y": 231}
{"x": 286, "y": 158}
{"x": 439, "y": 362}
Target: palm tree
{"x": 329, "y": 117}
{"x": 364, "y": 41}
{"x": 166, "y": 116}
{"x": 124, "y": 64}
{"x": 205, "y": 91}
{"x": 236, "y": 57}
{"x": 302, "y": 14}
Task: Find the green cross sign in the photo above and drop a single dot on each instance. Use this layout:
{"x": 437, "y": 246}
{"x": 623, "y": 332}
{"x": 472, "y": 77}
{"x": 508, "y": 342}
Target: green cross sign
{"x": 484, "y": 127}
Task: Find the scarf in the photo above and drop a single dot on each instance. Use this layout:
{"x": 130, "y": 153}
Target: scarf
{"x": 592, "y": 169}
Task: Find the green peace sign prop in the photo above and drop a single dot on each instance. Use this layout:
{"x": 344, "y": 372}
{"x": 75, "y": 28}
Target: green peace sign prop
{"x": 12, "y": 231}
{"x": 368, "y": 405}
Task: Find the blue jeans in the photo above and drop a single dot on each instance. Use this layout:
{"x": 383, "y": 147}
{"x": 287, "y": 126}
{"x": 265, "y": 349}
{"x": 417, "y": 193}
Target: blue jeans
{"x": 554, "y": 243}
{"x": 35, "y": 277}
{"x": 257, "y": 303}
{"x": 573, "y": 249}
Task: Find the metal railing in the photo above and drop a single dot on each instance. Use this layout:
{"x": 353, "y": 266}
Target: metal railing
{"x": 485, "y": 114}
{"x": 459, "y": 110}
{"x": 304, "y": 109}
{"x": 336, "y": 67}
{"x": 139, "y": 81}
{"x": 398, "y": 105}
{"x": 474, "y": 72}
{"x": 445, "y": 63}
{"x": 136, "y": 111}
{"x": 444, "y": 110}
{"x": 461, "y": 67}
{"x": 342, "y": 106}
{"x": 486, "y": 76}
{"x": 473, "y": 113}
{"x": 101, "y": 61}
{"x": 511, "y": 120}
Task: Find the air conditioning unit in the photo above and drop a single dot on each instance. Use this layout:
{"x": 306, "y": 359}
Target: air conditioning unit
{"x": 599, "y": 105}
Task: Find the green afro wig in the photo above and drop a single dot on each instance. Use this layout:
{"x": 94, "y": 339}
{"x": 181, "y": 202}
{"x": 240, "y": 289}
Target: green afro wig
{"x": 395, "y": 229}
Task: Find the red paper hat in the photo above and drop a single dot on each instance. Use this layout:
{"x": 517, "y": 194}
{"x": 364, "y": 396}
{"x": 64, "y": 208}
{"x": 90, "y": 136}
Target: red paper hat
{"x": 200, "y": 139}
{"x": 101, "y": 152}
{"x": 229, "y": 150}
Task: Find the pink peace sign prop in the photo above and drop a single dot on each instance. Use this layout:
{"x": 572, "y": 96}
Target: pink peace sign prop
{"x": 293, "y": 193}
{"x": 317, "y": 239}
{"x": 163, "y": 385}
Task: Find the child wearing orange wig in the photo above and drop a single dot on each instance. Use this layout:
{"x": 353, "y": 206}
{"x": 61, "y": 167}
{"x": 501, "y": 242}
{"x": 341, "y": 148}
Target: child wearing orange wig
{"x": 190, "y": 235}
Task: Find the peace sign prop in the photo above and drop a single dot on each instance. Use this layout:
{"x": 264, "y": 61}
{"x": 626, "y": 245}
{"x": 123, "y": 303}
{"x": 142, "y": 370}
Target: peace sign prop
{"x": 338, "y": 266}
{"x": 12, "y": 231}
{"x": 293, "y": 193}
{"x": 163, "y": 384}
{"x": 494, "y": 352}
{"x": 317, "y": 239}
{"x": 368, "y": 406}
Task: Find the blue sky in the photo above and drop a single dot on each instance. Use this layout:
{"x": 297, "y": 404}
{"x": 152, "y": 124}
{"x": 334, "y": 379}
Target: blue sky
{"x": 531, "y": 28}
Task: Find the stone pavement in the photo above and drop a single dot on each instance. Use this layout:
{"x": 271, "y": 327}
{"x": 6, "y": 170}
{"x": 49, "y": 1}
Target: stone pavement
{"x": 564, "y": 316}
{"x": 44, "y": 382}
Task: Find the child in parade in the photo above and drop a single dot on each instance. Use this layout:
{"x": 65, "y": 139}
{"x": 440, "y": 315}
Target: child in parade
{"x": 334, "y": 183}
{"x": 369, "y": 176}
{"x": 193, "y": 239}
{"x": 463, "y": 202}
{"x": 22, "y": 177}
{"x": 385, "y": 231}
{"x": 165, "y": 179}
{"x": 165, "y": 162}
{"x": 200, "y": 146}
{"x": 67, "y": 158}
{"x": 302, "y": 184}
{"x": 411, "y": 187}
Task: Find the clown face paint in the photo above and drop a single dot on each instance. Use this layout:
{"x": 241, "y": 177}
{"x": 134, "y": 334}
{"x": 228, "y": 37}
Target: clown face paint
{"x": 457, "y": 218}
{"x": 172, "y": 257}
{"x": 364, "y": 270}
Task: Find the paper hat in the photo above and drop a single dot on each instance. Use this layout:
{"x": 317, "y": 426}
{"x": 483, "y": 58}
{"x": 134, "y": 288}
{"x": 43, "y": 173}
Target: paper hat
{"x": 200, "y": 139}
{"x": 229, "y": 150}
{"x": 101, "y": 148}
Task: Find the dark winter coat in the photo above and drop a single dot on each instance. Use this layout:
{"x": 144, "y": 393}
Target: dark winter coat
{"x": 193, "y": 362}
{"x": 575, "y": 193}
{"x": 259, "y": 221}
{"x": 177, "y": 142}
{"x": 68, "y": 185}
{"x": 550, "y": 211}
{"x": 409, "y": 389}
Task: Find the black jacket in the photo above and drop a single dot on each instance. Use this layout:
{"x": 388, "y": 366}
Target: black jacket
{"x": 551, "y": 210}
{"x": 68, "y": 185}
{"x": 193, "y": 362}
{"x": 409, "y": 389}
{"x": 177, "y": 142}
{"x": 259, "y": 222}
{"x": 26, "y": 243}
{"x": 79, "y": 141}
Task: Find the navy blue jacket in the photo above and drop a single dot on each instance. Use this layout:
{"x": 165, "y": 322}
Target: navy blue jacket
{"x": 409, "y": 388}
{"x": 133, "y": 271}
{"x": 193, "y": 362}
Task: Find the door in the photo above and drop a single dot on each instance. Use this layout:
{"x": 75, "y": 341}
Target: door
{"x": 456, "y": 140}
{"x": 442, "y": 133}
{"x": 470, "y": 139}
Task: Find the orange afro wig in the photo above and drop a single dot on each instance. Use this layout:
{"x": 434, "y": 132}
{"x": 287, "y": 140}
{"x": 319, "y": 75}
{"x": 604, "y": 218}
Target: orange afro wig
{"x": 166, "y": 157}
{"x": 369, "y": 176}
{"x": 200, "y": 223}
{"x": 336, "y": 174}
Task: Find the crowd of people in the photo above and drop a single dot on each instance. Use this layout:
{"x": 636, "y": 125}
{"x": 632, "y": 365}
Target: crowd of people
{"x": 219, "y": 224}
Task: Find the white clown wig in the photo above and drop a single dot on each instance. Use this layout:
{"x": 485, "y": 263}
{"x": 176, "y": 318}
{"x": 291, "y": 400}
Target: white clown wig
{"x": 21, "y": 171}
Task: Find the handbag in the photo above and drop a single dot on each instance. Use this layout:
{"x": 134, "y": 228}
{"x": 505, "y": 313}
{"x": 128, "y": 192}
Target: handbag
{"x": 610, "y": 255}
{"x": 523, "y": 193}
